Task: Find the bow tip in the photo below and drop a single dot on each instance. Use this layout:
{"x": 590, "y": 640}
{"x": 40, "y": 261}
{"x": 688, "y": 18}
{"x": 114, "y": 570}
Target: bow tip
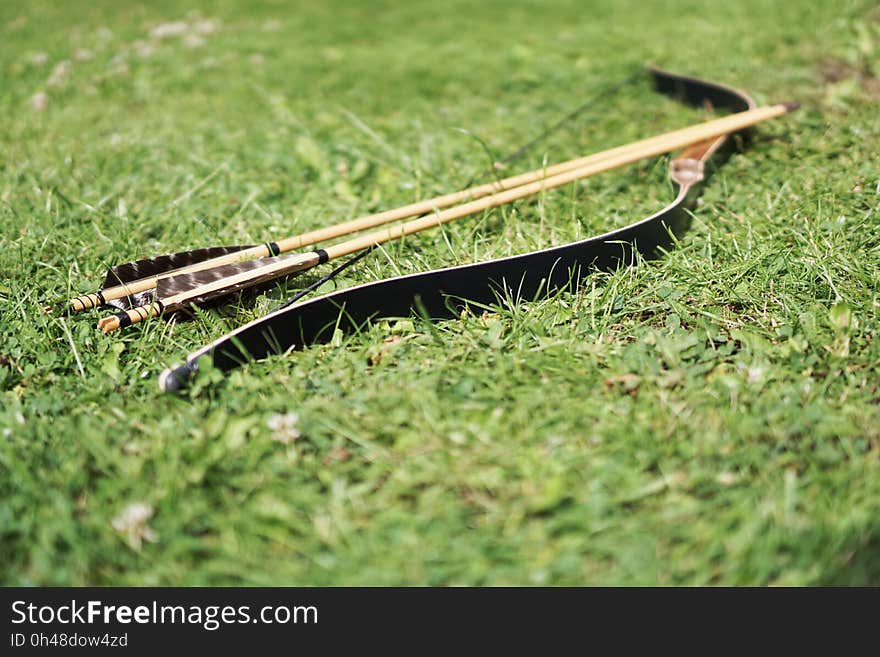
{"x": 175, "y": 379}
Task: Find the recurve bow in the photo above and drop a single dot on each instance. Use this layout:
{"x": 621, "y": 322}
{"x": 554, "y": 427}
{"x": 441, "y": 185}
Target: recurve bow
{"x": 442, "y": 293}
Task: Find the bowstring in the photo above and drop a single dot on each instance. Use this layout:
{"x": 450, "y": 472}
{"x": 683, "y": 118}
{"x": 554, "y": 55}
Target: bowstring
{"x": 606, "y": 92}
{"x": 327, "y": 277}
{"x": 603, "y": 94}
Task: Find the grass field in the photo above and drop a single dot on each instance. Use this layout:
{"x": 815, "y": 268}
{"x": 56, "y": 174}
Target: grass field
{"x": 707, "y": 418}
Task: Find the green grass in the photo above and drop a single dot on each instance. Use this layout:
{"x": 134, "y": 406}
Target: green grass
{"x": 708, "y": 418}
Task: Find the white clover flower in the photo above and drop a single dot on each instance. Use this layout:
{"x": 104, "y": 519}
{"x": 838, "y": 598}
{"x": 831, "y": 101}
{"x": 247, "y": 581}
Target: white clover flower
{"x": 165, "y": 30}
{"x": 206, "y": 26}
{"x": 132, "y": 524}
{"x": 284, "y": 427}
{"x": 39, "y": 101}
{"x": 755, "y": 374}
{"x": 59, "y": 74}
{"x": 193, "y": 41}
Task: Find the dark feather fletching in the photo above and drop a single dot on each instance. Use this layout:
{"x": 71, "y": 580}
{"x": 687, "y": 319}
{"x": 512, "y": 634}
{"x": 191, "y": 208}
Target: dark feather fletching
{"x": 181, "y": 283}
{"x": 132, "y": 271}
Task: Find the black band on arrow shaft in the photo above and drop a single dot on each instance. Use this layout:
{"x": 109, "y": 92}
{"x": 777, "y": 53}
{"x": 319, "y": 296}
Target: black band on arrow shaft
{"x": 142, "y": 313}
{"x": 124, "y": 319}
